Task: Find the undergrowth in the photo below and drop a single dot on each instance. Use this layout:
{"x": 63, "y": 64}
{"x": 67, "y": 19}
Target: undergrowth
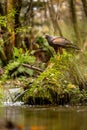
{"x": 62, "y": 82}
{"x": 15, "y": 66}
{"x": 58, "y": 83}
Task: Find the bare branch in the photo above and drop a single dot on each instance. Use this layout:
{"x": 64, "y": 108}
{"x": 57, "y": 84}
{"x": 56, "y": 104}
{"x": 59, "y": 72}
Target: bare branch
{"x": 32, "y": 67}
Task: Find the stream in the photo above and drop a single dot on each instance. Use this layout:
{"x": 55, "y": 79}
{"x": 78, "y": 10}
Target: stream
{"x": 46, "y": 117}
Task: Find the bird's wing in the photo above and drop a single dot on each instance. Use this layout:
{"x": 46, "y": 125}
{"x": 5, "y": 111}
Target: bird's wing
{"x": 61, "y": 41}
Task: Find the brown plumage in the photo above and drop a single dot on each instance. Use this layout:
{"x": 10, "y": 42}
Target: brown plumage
{"x": 59, "y": 42}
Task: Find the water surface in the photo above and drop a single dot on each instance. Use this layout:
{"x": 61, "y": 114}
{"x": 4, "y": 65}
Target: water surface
{"x": 47, "y": 118}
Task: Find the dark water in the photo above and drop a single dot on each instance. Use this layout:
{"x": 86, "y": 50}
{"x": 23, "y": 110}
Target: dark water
{"x": 47, "y": 118}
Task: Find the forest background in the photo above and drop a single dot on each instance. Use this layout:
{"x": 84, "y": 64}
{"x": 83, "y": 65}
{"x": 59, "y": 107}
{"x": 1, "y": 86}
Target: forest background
{"x": 26, "y": 59}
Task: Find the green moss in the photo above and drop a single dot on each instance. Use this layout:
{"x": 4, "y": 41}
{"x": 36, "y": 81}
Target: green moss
{"x": 55, "y": 83}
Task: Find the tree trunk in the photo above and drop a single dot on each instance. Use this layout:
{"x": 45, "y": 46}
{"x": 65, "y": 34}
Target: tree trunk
{"x": 74, "y": 19}
{"x": 54, "y": 19}
{"x": 9, "y": 43}
{"x": 84, "y": 2}
{"x": 17, "y": 7}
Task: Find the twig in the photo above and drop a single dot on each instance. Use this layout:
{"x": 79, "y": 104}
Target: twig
{"x": 32, "y": 67}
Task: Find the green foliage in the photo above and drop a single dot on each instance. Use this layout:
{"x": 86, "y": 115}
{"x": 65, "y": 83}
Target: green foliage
{"x": 53, "y": 81}
{"x": 12, "y": 13}
{"x": 40, "y": 40}
{"x": 3, "y": 21}
{"x": 23, "y": 29}
{"x": 14, "y": 67}
{"x": 43, "y": 44}
{"x": 21, "y": 57}
{"x": 79, "y": 97}
{"x": 59, "y": 83}
{"x": 9, "y": 68}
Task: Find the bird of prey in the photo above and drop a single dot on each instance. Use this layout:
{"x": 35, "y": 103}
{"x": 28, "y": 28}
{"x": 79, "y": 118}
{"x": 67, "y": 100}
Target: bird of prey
{"x": 58, "y": 42}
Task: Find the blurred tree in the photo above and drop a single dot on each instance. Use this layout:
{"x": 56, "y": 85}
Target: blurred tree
{"x": 1, "y": 9}
{"x": 84, "y": 2}
{"x": 17, "y": 7}
{"x": 54, "y": 16}
{"x": 64, "y": 18}
{"x": 72, "y": 4}
{"x": 9, "y": 43}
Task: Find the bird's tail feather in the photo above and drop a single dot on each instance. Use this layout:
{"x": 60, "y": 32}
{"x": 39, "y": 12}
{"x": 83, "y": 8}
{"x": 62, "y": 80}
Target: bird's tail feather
{"x": 74, "y": 47}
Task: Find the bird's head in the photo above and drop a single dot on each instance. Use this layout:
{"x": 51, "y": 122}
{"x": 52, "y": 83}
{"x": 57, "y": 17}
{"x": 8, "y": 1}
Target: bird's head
{"x": 49, "y": 38}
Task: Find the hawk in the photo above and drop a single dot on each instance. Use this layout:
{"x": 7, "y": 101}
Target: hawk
{"x": 58, "y": 42}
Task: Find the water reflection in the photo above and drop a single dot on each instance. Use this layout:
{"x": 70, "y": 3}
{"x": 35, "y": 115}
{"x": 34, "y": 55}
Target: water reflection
{"x": 47, "y": 118}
